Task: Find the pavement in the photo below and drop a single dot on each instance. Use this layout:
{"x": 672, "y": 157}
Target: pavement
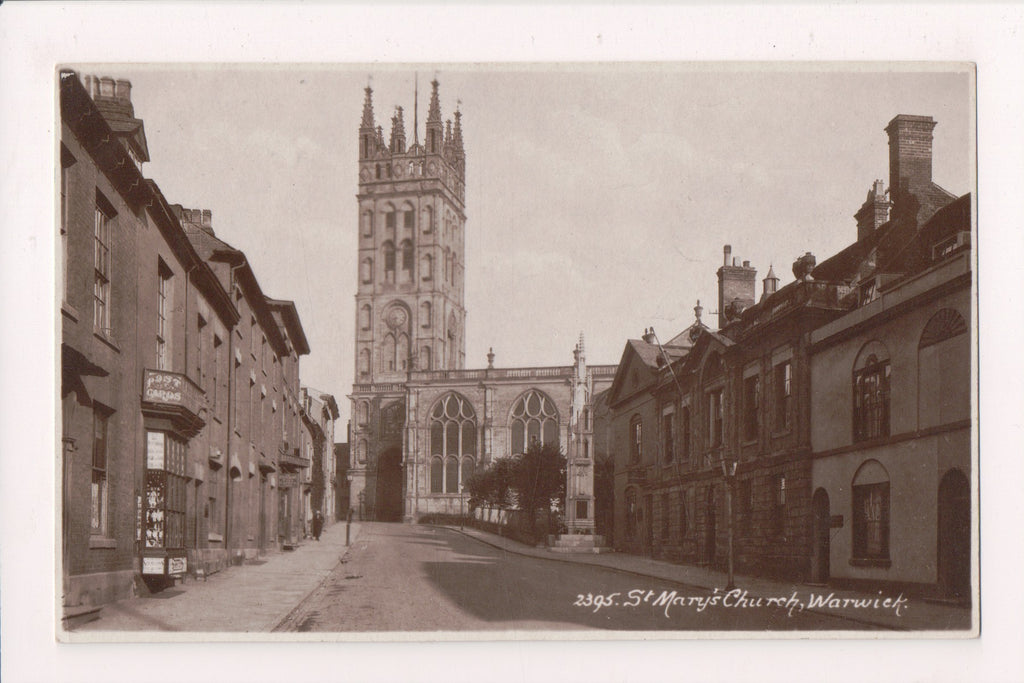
{"x": 913, "y": 614}
{"x": 251, "y": 598}
{"x": 258, "y": 596}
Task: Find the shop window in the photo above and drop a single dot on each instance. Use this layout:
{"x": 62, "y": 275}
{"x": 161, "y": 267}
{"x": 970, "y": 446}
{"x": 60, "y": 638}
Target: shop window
{"x": 871, "y": 382}
{"x": 636, "y": 439}
{"x": 871, "y": 512}
{"x": 783, "y": 394}
{"x": 164, "y": 516}
{"x": 751, "y": 407}
{"x": 534, "y": 419}
{"x": 99, "y": 491}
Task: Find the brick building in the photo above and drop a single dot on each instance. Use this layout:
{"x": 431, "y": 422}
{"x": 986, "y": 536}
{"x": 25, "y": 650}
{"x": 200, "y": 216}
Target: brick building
{"x": 748, "y": 429}
{"x": 180, "y": 378}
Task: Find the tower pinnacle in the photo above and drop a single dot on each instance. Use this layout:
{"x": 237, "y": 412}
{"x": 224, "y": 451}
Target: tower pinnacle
{"x": 397, "y": 132}
{"x": 368, "y": 109}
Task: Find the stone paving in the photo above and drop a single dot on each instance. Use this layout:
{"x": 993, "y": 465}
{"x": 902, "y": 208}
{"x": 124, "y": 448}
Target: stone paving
{"x": 250, "y": 598}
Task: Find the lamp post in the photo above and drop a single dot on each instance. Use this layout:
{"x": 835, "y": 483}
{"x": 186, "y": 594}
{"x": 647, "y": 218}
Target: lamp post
{"x": 729, "y": 474}
{"x": 362, "y": 500}
{"x": 462, "y": 502}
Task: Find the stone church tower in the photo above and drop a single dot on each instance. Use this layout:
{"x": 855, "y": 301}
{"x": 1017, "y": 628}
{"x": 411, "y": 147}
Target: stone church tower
{"x": 410, "y": 291}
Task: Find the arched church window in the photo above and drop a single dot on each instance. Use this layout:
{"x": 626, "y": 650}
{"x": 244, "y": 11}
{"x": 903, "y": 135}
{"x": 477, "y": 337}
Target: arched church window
{"x": 389, "y": 261}
{"x": 390, "y": 221}
{"x": 452, "y": 440}
{"x": 534, "y": 418}
{"x": 409, "y": 219}
{"x": 407, "y": 260}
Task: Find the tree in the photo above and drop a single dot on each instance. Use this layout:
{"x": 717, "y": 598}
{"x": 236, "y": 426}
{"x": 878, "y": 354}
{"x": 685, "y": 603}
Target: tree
{"x": 492, "y": 486}
{"x": 538, "y": 479}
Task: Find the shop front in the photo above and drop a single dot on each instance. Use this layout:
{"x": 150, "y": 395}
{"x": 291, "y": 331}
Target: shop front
{"x": 172, "y": 409}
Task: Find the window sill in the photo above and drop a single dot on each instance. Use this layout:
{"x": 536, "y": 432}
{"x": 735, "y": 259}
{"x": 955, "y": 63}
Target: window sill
{"x": 215, "y": 538}
{"x": 69, "y": 311}
{"x": 870, "y": 562}
{"x": 102, "y": 542}
{"x": 106, "y": 340}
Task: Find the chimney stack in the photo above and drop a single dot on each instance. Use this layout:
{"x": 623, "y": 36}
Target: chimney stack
{"x": 910, "y": 157}
{"x": 874, "y": 212}
{"x": 736, "y": 287}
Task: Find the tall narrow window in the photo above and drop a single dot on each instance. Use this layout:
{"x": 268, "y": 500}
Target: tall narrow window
{"x": 751, "y": 407}
{"x": 783, "y": 394}
{"x": 668, "y": 437}
{"x": 389, "y": 224}
{"x": 389, "y": 261}
{"x": 200, "y": 331}
{"x": 364, "y": 362}
{"x": 407, "y": 261}
{"x": 425, "y": 358}
{"x": 101, "y": 263}
{"x": 409, "y": 217}
{"x": 636, "y": 439}
{"x": 367, "y": 224}
{"x": 427, "y": 267}
{"x": 871, "y": 396}
{"x": 163, "y": 312}
{"x": 871, "y": 512}
{"x": 366, "y": 271}
{"x": 98, "y": 510}
{"x": 215, "y": 391}
{"x": 716, "y": 421}
{"x": 425, "y": 314}
{"x": 685, "y": 432}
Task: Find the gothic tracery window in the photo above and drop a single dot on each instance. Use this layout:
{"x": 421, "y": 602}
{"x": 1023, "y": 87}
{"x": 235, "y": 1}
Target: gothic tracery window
{"x": 534, "y": 418}
{"x": 452, "y": 444}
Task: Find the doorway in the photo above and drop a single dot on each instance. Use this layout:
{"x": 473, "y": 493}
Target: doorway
{"x": 820, "y": 569}
{"x": 954, "y": 538}
{"x": 389, "y": 486}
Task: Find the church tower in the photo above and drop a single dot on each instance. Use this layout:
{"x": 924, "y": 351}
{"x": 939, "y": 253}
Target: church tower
{"x": 410, "y": 296}
{"x": 410, "y": 310}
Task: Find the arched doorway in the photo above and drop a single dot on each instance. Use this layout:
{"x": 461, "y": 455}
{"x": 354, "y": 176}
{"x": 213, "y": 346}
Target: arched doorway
{"x": 709, "y": 528}
{"x": 389, "y": 486}
{"x": 954, "y": 541}
{"x": 820, "y": 569}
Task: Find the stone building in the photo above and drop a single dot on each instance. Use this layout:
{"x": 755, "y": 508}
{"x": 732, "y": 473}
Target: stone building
{"x": 320, "y": 413}
{"x": 421, "y": 421}
{"x": 747, "y": 431}
{"x": 891, "y": 418}
{"x": 180, "y": 378}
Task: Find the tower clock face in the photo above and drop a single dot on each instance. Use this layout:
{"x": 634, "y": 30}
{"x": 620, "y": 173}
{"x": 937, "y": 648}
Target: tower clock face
{"x": 396, "y": 317}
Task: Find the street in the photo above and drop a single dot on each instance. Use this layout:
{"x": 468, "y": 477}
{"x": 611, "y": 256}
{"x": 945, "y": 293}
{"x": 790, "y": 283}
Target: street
{"x": 420, "y": 578}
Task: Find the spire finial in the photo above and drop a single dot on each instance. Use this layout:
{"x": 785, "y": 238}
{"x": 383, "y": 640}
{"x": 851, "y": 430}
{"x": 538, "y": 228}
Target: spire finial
{"x": 416, "y": 111}
{"x": 368, "y": 107}
{"x": 434, "y": 112}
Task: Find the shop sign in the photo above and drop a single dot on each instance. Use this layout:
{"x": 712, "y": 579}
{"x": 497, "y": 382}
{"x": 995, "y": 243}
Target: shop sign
{"x": 171, "y": 388}
{"x": 176, "y": 565}
{"x": 152, "y": 565}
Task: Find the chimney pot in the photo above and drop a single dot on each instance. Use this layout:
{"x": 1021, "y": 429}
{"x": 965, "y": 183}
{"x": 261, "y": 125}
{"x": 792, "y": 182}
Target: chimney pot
{"x": 123, "y": 90}
{"x": 207, "y": 218}
{"x": 727, "y": 251}
{"x": 106, "y": 87}
{"x": 746, "y": 264}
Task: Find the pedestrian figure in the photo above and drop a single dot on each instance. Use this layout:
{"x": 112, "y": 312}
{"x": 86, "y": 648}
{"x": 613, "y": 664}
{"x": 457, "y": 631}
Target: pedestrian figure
{"x": 318, "y": 524}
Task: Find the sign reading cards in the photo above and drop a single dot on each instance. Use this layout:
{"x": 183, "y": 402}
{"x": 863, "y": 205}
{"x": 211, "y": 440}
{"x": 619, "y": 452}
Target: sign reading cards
{"x": 154, "y": 450}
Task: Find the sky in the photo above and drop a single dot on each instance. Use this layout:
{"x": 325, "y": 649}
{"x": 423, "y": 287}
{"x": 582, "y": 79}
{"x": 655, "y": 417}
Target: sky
{"x": 598, "y": 199}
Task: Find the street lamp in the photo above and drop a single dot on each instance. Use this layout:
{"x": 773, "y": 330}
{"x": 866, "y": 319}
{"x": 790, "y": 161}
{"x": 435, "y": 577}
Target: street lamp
{"x": 729, "y": 474}
{"x": 462, "y": 502}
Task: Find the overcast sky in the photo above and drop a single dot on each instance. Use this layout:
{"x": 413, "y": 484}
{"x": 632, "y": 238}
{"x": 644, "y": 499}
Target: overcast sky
{"x": 598, "y": 197}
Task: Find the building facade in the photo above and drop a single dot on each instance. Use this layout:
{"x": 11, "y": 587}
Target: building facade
{"x": 421, "y": 422}
{"x": 892, "y": 386}
{"x": 748, "y": 437}
{"x": 179, "y": 384}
